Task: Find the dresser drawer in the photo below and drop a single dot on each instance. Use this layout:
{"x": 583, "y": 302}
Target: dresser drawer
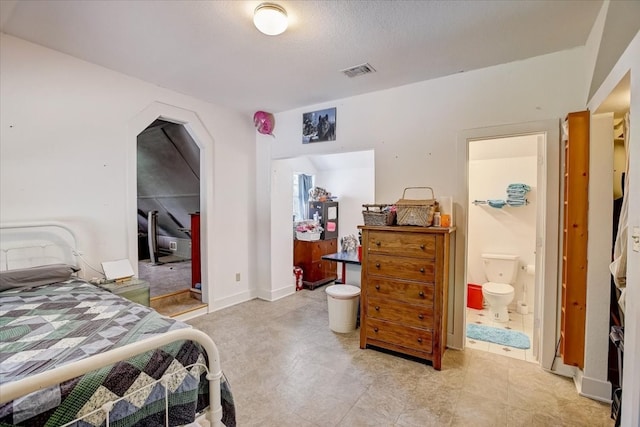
{"x": 420, "y": 316}
{"x": 322, "y": 247}
{"x": 401, "y": 335}
{"x": 419, "y": 269}
{"x": 411, "y": 293}
{"x": 402, "y": 244}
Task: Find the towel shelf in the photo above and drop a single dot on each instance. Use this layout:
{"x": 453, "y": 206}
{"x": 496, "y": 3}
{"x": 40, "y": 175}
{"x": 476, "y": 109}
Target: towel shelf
{"x": 502, "y": 204}
{"x": 515, "y": 197}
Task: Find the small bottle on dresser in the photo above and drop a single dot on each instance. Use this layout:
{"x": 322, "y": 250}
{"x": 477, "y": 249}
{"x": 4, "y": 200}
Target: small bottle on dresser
{"x": 436, "y": 219}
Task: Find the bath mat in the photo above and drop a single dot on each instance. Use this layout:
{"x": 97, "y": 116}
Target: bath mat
{"x": 499, "y": 336}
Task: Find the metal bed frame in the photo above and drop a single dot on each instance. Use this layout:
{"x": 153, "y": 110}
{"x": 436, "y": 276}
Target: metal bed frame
{"x": 38, "y": 252}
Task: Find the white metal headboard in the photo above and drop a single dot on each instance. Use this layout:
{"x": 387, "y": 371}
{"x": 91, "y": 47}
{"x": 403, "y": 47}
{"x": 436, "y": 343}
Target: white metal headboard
{"x": 24, "y": 245}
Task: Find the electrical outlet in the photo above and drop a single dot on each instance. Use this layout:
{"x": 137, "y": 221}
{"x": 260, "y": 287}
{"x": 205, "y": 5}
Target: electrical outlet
{"x": 237, "y": 277}
{"x": 173, "y": 246}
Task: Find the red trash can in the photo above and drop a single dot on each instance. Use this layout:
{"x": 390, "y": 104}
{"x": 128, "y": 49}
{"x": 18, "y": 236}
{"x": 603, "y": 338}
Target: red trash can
{"x": 474, "y": 296}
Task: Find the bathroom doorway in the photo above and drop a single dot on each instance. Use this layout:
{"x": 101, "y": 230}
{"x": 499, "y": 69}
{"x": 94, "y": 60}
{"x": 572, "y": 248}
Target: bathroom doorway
{"x": 502, "y": 220}
{"x": 546, "y": 190}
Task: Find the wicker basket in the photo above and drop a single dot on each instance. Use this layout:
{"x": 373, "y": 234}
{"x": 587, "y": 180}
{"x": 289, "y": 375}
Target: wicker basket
{"x": 416, "y": 211}
{"x": 309, "y": 236}
{"x": 375, "y": 215}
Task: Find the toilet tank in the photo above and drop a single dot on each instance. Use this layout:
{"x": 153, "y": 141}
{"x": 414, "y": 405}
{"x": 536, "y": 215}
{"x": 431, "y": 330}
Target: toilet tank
{"x": 500, "y": 268}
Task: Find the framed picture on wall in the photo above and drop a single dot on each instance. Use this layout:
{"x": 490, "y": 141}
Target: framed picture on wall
{"x": 319, "y": 126}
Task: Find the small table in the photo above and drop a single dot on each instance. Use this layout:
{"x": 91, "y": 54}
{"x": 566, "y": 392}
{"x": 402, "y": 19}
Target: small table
{"x": 344, "y": 258}
{"x": 136, "y": 290}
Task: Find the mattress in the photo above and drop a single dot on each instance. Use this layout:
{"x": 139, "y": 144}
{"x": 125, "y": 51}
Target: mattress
{"x": 56, "y": 324}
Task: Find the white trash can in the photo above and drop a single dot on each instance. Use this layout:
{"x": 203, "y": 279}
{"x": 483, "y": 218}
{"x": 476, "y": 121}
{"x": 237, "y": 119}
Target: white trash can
{"x": 343, "y": 303}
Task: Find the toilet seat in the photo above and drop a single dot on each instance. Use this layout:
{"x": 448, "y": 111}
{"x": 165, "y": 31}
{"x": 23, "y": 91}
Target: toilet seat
{"x": 497, "y": 288}
{"x": 343, "y": 291}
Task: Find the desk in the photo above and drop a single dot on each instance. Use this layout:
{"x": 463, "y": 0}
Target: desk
{"x": 344, "y": 258}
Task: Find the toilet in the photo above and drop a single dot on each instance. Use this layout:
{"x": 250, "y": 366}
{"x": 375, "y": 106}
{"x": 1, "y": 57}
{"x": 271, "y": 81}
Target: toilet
{"x": 501, "y": 271}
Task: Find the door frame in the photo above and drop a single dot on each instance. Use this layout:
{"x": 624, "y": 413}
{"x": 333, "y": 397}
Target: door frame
{"x": 205, "y": 143}
{"x": 547, "y": 229}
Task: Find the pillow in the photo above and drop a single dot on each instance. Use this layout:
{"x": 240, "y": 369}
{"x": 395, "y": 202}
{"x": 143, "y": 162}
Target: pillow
{"x": 36, "y": 276}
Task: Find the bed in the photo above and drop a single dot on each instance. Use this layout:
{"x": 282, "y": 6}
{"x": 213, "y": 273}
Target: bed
{"x": 74, "y": 354}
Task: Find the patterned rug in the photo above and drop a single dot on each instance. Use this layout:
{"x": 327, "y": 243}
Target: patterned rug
{"x": 498, "y": 336}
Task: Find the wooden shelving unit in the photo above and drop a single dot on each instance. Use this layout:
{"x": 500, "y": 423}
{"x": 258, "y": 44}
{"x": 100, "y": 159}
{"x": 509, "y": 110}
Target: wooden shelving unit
{"x": 575, "y": 237}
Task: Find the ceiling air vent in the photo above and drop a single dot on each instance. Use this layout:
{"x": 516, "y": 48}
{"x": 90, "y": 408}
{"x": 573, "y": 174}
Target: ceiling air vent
{"x": 358, "y": 70}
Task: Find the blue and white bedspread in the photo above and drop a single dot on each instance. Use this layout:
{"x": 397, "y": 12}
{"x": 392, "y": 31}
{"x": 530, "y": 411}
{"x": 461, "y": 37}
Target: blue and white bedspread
{"x": 48, "y": 326}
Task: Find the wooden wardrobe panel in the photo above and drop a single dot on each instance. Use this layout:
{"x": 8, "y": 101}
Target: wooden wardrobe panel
{"x": 575, "y": 237}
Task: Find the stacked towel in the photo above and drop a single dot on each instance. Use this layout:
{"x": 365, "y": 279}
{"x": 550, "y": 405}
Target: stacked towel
{"x": 516, "y": 194}
{"x": 516, "y": 202}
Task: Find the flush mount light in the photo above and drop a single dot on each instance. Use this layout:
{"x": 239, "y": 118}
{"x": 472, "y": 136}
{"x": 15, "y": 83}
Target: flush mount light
{"x": 270, "y": 19}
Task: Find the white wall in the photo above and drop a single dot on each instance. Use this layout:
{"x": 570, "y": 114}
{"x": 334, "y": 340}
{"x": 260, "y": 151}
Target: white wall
{"x": 593, "y": 380}
{"x": 66, "y": 149}
{"x": 281, "y": 250}
{"x": 629, "y": 61}
{"x": 510, "y": 230}
{"x": 413, "y": 129}
{"x": 352, "y": 185}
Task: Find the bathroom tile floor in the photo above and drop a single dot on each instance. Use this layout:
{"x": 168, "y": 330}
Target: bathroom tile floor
{"x": 287, "y": 368}
{"x": 517, "y": 322}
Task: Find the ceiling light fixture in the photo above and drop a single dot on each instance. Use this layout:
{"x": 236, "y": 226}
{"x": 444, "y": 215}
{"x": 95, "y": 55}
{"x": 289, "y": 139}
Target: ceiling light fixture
{"x": 270, "y": 19}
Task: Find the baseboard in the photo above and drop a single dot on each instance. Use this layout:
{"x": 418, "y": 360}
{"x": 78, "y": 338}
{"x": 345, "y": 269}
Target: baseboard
{"x": 192, "y": 314}
{"x": 277, "y": 294}
{"x": 230, "y": 301}
{"x": 592, "y": 388}
{"x": 247, "y": 296}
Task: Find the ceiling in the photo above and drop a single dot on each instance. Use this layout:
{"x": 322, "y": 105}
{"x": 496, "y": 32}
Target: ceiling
{"x": 211, "y": 50}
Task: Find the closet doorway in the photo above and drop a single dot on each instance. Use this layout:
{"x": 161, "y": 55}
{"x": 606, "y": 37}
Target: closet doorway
{"x": 617, "y": 107}
{"x": 168, "y": 206}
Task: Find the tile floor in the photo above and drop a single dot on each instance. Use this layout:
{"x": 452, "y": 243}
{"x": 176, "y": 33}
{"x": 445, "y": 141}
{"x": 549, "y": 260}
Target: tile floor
{"x": 517, "y": 322}
{"x": 287, "y": 368}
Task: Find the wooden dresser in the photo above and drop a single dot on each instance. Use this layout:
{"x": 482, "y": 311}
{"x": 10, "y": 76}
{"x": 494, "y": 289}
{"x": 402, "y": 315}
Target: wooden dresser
{"x": 405, "y": 281}
{"x": 308, "y": 256}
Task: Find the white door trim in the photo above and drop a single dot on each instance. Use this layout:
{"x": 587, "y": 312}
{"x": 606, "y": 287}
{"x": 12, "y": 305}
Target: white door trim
{"x": 204, "y": 141}
{"x": 547, "y": 277}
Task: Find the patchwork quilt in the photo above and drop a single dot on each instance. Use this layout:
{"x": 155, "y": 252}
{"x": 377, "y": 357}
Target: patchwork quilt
{"x": 48, "y": 326}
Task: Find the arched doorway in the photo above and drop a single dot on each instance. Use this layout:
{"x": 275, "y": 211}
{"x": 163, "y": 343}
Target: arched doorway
{"x": 168, "y": 206}
{"x": 187, "y": 123}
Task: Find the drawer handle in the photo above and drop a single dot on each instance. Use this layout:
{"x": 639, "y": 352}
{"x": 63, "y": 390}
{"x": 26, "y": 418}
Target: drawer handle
{"x": 377, "y": 308}
{"x": 377, "y": 265}
{"x": 422, "y": 247}
{"x": 420, "y": 340}
{"x": 378, "y": 287}
{"x": 420, "y": 316}
{"x": 378, "y": 243}
{"x": 422, "y": 270}
{"x": 421, "y": 293}
{"x": 375, "y": 329}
